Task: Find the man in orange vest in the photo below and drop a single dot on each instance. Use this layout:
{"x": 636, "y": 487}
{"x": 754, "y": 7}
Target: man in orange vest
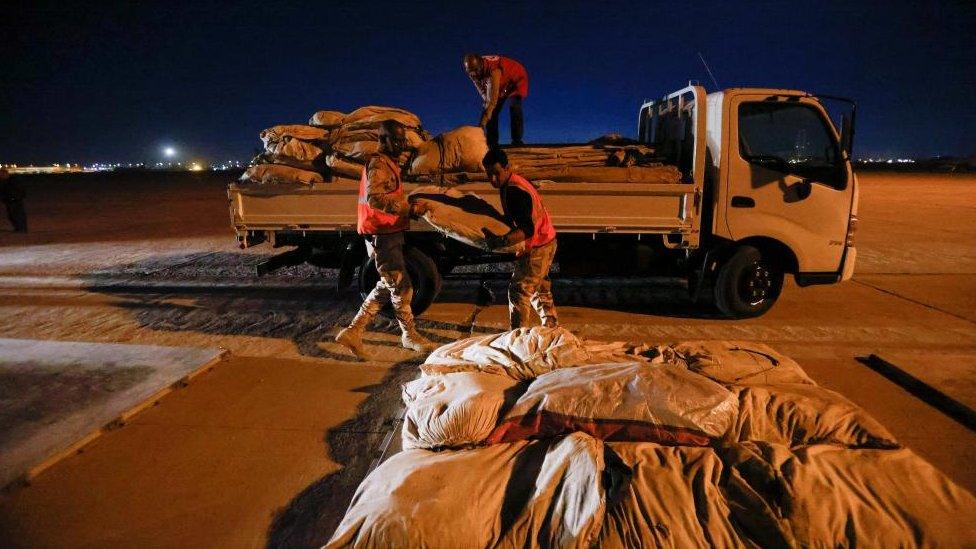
{"x": 524, "y": 211}
{"x": 497, "y": 79}
{"x": 383, "y": 216}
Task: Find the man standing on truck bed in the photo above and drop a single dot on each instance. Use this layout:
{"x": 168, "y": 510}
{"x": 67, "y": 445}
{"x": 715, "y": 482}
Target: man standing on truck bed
{"x": 383, "y": 217}
{"x": 497, "y": 79}
{"x": 523, "y": 209}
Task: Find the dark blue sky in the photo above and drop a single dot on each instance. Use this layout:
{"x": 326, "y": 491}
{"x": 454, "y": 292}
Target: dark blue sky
{"x": 86, "y": 84}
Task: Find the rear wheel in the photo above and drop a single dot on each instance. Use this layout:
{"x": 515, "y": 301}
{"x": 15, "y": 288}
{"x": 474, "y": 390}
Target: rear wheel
{"x": 424, "y": 277}
{"x": 747, "y": 284}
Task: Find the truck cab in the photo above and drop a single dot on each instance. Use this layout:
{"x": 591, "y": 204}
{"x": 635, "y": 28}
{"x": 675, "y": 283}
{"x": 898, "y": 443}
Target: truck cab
{"x": 778, "y": 191}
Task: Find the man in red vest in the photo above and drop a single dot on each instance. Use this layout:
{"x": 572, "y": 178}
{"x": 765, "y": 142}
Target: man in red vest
{"x": 497, "y": 79}
{"x": 383, "y": 216}
{"x": 524, "y": 211}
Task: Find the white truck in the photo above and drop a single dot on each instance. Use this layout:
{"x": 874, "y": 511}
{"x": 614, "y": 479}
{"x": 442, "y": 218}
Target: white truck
{"x": 766, "y": 190}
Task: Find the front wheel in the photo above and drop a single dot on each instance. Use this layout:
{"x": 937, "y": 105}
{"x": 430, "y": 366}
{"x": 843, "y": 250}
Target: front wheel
{"x": 747, "y": 284}
{"x": 424, "y": 278}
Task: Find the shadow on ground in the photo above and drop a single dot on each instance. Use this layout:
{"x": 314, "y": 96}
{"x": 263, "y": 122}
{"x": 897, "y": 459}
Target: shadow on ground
{"x": 218, "y": 293}
{"x": 313, "y": 515}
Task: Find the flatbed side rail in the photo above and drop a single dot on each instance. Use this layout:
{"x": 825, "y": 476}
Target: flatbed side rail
{"x": 665, "y": 124}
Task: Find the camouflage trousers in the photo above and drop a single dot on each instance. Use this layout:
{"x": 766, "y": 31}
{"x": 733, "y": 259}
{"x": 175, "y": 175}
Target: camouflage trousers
{"x": 530, "y": 285}
{"x": 393, "y": 286}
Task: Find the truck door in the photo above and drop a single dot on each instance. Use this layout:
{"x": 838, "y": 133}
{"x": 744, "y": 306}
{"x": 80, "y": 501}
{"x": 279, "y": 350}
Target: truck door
{"x": 788, "y": 178}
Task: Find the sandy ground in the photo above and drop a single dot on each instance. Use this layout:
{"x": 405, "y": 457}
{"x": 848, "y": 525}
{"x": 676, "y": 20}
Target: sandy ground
{"x": 266, "y": 448}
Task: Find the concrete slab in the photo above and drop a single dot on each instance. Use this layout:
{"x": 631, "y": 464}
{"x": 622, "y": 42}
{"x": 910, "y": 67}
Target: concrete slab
{"x": 258, "y": 451}
{"x": 55, "y": 396}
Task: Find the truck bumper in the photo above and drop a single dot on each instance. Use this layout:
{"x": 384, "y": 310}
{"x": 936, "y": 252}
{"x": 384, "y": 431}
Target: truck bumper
{"x": 847, "y": 270}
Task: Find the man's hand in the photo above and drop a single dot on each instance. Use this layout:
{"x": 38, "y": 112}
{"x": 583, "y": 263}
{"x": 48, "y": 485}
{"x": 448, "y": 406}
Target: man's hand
{"x": 493, "y": 241}
{"x": 418, "y": 209}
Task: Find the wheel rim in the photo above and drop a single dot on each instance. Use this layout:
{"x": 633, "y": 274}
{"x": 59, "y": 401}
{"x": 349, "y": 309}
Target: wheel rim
{"x": 755, "y": 284}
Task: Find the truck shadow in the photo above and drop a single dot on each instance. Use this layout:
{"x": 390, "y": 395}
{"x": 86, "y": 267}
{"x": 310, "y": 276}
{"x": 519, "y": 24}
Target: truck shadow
{"x": 651, "y": 296}
{"x": 218, "y": 293}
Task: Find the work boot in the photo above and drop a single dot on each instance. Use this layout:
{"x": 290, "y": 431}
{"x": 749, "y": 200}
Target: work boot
{"x": 412, "y": 340}
{"x": 352, "y": 338}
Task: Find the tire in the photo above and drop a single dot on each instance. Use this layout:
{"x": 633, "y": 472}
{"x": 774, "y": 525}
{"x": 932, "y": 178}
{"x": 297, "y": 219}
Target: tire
{"x": 747, "y": 284}
{"x": 424, "y": 278}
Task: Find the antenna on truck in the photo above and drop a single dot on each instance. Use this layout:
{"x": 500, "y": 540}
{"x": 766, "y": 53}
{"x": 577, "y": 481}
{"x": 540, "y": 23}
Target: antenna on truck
{"x": 717, "y": 87}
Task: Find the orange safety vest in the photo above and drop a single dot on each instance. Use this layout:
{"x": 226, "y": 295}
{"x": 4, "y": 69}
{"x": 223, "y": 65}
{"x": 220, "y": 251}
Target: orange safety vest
{"x": 544, "y": 232}
{"x": 372, "y": 221}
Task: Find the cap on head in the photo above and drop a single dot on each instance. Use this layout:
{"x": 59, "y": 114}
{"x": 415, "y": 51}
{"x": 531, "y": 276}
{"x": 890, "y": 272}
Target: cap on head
{"x": 472, "y": 62}
{"x": 494, "y": 156}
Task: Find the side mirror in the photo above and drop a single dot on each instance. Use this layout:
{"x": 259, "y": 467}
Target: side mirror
{"x": 803, "y": 188}
{"x": 847, "y": 134}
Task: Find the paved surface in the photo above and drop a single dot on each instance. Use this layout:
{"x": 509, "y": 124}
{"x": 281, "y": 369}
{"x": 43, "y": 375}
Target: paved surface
{"x": 266, "y": 448}
{"x": 53, "y": 394}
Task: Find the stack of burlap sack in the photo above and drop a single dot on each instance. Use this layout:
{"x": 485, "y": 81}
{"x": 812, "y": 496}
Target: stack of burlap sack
{"x": 334, "y": 145}
{"x": 534, "y": 438}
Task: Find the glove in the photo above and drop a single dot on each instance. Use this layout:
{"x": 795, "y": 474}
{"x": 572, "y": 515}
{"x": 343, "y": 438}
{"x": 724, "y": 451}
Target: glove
{"x": 418, "y": 209}
{"x": 493, "y": 242}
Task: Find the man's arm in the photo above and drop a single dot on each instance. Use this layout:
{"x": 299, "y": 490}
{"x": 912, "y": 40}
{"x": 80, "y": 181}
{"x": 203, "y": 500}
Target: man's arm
{"x": 380, "y": 184}
{"x": 520, "y": 209}
{"x": 491, "y": 96}
{"x": 482, "y": 88}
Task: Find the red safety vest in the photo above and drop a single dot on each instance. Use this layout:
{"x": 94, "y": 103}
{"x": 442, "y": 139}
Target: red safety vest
{"x": 544, "y": 232}
{"x": 515, "y": 79}
{"x": 372, "y": 221}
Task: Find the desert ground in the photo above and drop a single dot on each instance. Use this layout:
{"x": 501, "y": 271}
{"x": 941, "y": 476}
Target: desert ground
{"x": 266, "y": 448}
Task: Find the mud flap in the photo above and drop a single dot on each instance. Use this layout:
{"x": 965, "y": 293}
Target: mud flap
{"x": 285, "y": 259}
{"x": 351, "y": 259}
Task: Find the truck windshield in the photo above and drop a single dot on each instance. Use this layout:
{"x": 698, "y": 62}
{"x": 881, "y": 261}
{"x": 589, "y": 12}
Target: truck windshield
{"x": 792, "y": 138}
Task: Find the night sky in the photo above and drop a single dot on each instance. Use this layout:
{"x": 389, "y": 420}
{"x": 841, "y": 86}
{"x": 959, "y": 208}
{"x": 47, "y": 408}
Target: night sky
{"x": 117, "y": 84}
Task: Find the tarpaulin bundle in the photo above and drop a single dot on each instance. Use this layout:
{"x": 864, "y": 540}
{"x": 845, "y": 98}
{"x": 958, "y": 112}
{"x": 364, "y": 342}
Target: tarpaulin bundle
{"x": 545, "y": 439}
{"x": 278, "y": 174}
{"x": 333, "y": 143}
{"x": 633, "y": 402}
{"x": 463, "y": 216}
{"x": 327, "y": 119}
{"x": 524, "y": 494}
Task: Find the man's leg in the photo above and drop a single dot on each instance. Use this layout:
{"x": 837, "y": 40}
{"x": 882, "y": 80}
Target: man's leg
{"x": 520, "y": 289}
{"x": 491, "y": 129}
{"x": 352, "y": 335}
{"x": 517, "y": 122}
{"x": 542, "y": 300}
{"x": 393, "y": 271}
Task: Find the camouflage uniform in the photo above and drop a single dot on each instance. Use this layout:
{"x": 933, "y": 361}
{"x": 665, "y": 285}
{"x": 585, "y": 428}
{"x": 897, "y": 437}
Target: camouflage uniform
{"x": 387, "y": 252}
{"x": 531, "y": 285}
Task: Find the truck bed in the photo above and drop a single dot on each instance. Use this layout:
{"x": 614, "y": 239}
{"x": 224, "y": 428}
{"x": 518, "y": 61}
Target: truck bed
{"x": 630, "y": 200}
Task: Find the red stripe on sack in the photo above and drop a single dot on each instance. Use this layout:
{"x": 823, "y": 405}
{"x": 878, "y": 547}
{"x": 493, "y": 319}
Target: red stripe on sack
{"x": 550, "y": 424}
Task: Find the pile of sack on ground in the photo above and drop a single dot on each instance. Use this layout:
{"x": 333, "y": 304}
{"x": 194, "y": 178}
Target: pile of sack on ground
{"x": 536, "y": 438}
{"x": 336, "y": 145}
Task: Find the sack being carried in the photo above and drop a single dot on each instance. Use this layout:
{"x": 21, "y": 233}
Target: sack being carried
{"x": 465, "y": 217}
{"x": 459, "y": 150}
